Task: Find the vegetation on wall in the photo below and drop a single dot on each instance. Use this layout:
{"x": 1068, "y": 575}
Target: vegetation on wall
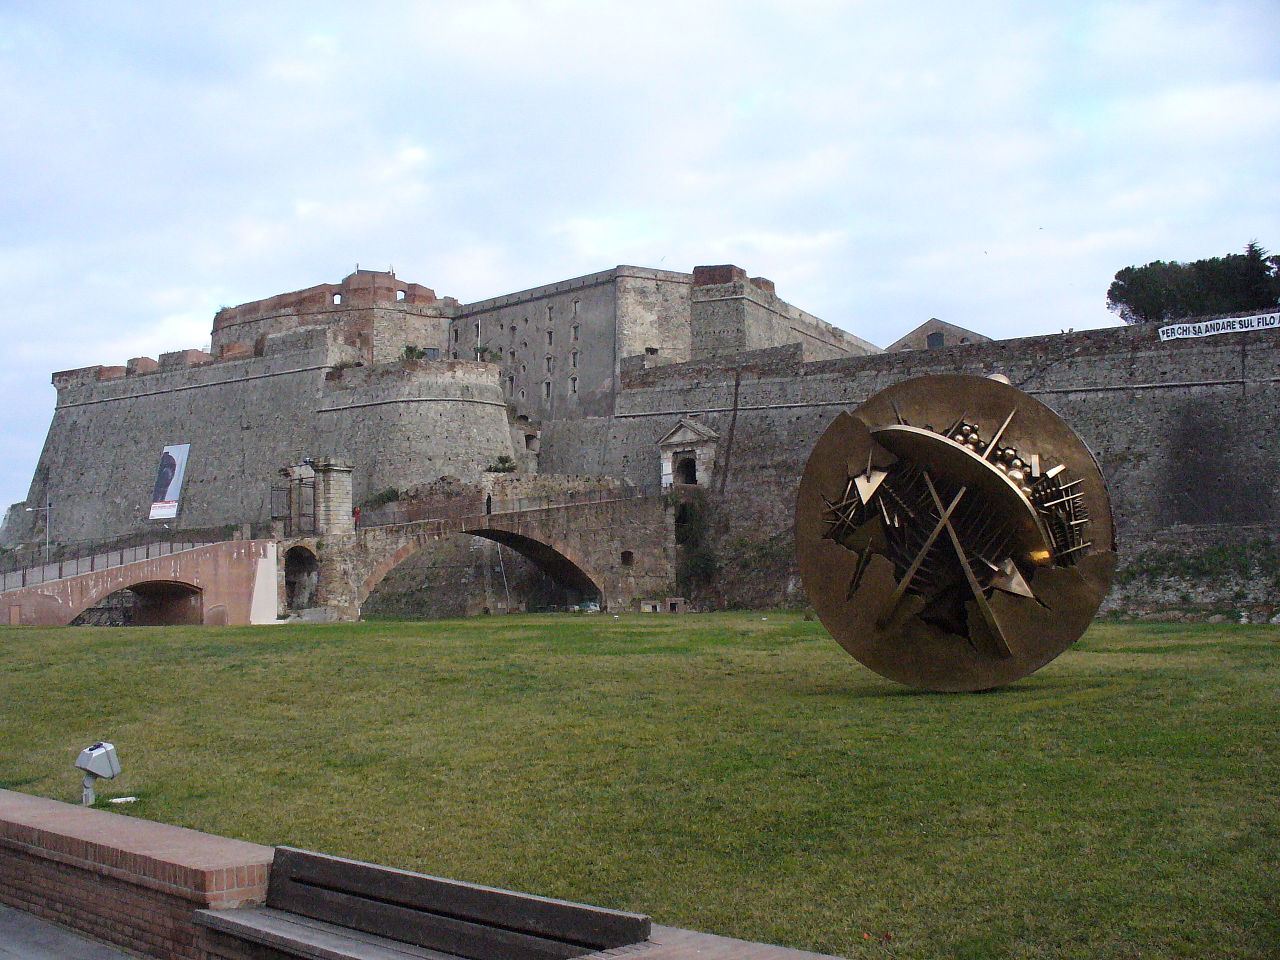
{"x": 1162, "y": 291}
{"x": 1252, "y": 560}
{"x": 383, "y": 497}
{"x": 504, "y": 464}
{"x": 696, "y": 563}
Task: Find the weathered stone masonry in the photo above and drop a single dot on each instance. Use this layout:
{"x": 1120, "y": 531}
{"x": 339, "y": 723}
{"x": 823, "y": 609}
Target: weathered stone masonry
{"x": 586, "y": 377}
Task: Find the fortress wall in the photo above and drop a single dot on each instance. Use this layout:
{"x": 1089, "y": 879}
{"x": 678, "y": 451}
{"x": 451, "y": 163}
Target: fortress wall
{"x": 244, "y": 419}
{"x": 393, "y": 328}
{"x": 1184, "y": 431}
{"x": 653, "y": 313}
{"x": 731, "y": 313}
{"x": 515, "y": 328}
{"x": 412, "y": 422}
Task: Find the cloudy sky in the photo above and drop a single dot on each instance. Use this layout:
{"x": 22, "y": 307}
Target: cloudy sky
{"x": 992, "y": 163}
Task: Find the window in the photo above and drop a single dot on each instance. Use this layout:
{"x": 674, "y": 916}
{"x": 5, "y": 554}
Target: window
{"x": 575, "y": 309}
{"x": 511, "y": 357}
{"x": 550, "y": 364}
{"x": 512, "y": 330}
{"x": 934, "y": 340}
{"x": 431, "y": 353}
{"x": 628, "y": 558}
{"x": 573, "y": 384}
{"x": 454, "y": 355}
{"x": 400, "y": 295}
{"x": 546, "y": 389}
{"x": 524, "y": 368}
{"x": 521, "y": 394}
{"x": 573, "y": 334}
{"x": 686, "y": 468}
{"x": 573, "y": 359}
{"x": 651, "y": 351}
{"x": 337, "y": 298}
{"x": 511, "y": 384}
{"x": 524, "y": 344}
{"x": 455, "y": 334}
{"x": 550, "y": 338}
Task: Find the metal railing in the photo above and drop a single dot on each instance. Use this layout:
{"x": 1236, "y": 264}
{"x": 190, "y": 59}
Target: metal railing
{"x": 34, "y": 576}
{"x": 471, "y": 507}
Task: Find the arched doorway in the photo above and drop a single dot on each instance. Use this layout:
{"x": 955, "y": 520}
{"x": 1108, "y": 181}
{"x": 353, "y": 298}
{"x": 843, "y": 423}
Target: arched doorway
{"x": 686, "y": 468}
{"x": 157, "y": 603}
{"x": 301, "y": 577}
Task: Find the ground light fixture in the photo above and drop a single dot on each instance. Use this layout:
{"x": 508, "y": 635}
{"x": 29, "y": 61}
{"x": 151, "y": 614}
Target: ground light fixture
{"x": 97, "y": 761}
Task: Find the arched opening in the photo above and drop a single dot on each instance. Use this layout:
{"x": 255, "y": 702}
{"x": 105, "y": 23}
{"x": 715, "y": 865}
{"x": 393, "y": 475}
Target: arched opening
{"x": 337, "y": 299}
{"x": 934, "y": 341}
{"x": 466, "y": 574}
{"x": 158, "y": 603}
{"x": 301, "y": 577}
{"x": 686, "y": 468}
{"x": 400, "y": 294}
{"x": 628, "y": 558}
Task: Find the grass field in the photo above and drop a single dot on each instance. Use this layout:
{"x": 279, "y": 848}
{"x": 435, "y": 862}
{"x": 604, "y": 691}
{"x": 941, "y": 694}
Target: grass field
{"x": 724, "y": 772}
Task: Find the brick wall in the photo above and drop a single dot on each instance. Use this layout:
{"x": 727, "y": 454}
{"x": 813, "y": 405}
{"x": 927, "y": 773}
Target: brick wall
{"x": 130, "y": 882}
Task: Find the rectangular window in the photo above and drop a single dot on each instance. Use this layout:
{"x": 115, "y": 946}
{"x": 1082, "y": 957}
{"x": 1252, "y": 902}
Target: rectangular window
{"x": 546, "y": 389}
{"x": 550, "y": 338}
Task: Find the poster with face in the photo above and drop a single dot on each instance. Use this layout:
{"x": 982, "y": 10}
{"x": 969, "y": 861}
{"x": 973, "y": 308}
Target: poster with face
{"x": 169, "y": 477}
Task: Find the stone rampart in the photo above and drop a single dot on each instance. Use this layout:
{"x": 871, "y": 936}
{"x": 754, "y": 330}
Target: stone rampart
{"x": 400, "y": 423}
{"x": 1183, "y": 430}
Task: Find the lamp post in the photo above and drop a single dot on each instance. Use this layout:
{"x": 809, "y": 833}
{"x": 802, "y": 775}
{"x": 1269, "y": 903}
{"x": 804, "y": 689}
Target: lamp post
{"x": 45, "y": 509}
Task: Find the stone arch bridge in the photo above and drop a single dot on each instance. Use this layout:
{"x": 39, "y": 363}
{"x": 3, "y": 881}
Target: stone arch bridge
{"x": 613, "y": 550}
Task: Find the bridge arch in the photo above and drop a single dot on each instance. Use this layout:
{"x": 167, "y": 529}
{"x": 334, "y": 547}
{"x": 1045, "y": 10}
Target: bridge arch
{"x": 148, "y": 603}
{"x": 560, "y": 565}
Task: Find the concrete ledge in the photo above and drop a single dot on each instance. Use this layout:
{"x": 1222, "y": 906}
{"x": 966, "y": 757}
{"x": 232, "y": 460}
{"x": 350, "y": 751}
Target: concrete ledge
{"x": 207, "y": 870}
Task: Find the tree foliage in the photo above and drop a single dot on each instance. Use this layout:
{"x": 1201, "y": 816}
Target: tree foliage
{"x": 1160, "y": 291}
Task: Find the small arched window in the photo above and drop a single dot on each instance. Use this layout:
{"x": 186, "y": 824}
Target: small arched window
{"x": 573, "y": 359}
{"x": 627, "y": 558}
{"x": 400, "y": 294}
{"x": 573, "y": 384}
{"x": 934, "y": 340}
{"x": 337, "y": 298}
{"x": 573, "y": 333}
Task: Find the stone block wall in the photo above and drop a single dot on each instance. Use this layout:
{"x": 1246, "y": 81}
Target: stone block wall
{"x": 1183, "y": 430}
{"x": 308, "y": 395}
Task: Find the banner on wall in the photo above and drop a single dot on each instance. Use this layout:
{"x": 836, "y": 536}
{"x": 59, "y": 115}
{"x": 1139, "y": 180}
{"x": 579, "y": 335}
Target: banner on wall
{"x": 1261, "y": 321}
{"x": 169, "y": 476}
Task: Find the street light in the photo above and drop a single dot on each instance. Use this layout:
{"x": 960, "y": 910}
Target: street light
{"x": 45, "y": 509}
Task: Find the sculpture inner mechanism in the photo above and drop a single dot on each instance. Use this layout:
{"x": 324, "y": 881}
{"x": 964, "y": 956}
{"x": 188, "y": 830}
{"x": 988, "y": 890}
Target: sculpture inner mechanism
{"x": 967, "y": 533}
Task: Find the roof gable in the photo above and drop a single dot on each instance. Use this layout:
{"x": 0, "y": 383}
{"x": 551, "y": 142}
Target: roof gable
{"x": 688, "y": 432}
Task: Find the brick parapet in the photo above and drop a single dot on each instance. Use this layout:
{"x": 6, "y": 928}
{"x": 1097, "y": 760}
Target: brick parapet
{"x": 127, "y": 881}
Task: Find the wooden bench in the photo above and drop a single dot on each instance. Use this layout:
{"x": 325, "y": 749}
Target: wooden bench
{"x": 328, "y": 908}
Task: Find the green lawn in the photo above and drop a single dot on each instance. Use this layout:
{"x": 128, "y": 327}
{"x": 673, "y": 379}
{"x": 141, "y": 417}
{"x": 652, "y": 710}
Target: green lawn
{"x": 724, "y": 772}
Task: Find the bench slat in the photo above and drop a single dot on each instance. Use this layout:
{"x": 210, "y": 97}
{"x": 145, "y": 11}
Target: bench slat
{"x": 297, "y": 876}
{"x": 463, "y": 938}
{"x": 311, "y": 939}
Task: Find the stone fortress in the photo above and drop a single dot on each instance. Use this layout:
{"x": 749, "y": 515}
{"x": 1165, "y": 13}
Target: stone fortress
{"x": 708, "y": 382}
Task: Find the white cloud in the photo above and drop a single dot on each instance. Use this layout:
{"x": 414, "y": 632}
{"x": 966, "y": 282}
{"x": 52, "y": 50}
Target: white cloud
{"x": 992, "y": 163}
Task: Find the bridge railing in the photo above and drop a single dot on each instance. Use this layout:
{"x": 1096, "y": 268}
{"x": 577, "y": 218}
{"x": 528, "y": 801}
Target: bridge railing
{"x": 34, "y": 576}
{"x": 465, "y": 509}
